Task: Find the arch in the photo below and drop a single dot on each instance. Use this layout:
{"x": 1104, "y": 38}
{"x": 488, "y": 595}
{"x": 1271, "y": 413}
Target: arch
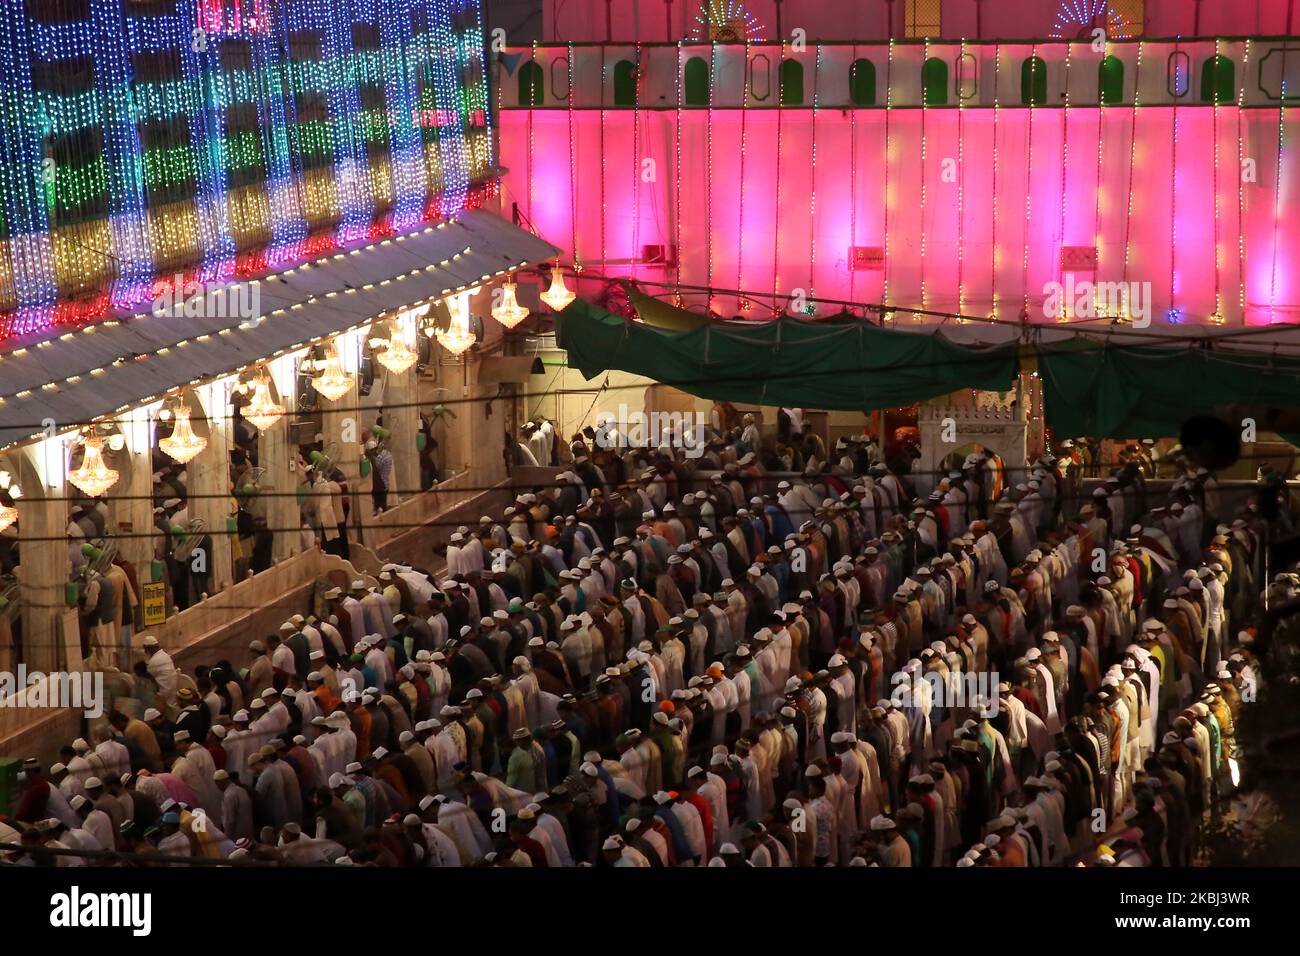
{"x": 532, "y": 84}
{"x": 934, "y": 82}
{"x": 624, "y": 83}
{"x": 1110, "y": 80}
{"x": 791, "y": 83}
{"x": 862, "y": 82}
{"x": 697, "y": 82}
{"x": 1033, "y": 81}
{"x": 1218, "y": 80}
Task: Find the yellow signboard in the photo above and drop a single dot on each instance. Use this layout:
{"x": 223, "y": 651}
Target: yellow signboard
{"x": 155, "y": 604}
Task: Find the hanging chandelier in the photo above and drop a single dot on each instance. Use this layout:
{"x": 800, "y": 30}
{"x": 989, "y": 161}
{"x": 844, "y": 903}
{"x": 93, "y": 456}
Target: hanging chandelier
{"x": 458, "y": 337}
{"x": 7, "y": 517}
{"x": 333, "y": 383}
{"x": 558, "y": 295}
{"x": 182, "y": 444}
{"x": 509, "y": 312}
{"x": 262, "y": 411}
{"x": 397, "y": 356}
{"x": 93, "y": 477}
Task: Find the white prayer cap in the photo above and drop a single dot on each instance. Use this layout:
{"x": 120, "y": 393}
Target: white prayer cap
{"x": 337, "y": 780}
{"x": 589, "y": 769}
{"x": 881, "y": 822}
{"x": 812, "y": 771}
{"x": 729, "y": 849}
{"x": 150, "y": 714}
{"x": 837, "y": 660}
{"x": 612, "y": 843}
{"x": 80, "y": 745}
{"x": 353, "y": 767}
{"x": 965, "y": 861}
{"x": 717, "y": 760}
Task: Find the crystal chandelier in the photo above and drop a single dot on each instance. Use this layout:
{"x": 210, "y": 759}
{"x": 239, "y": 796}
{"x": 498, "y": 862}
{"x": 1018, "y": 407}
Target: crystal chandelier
{"x": 182, "y": 444}
{"x": 93, "y": 477}
{"x": 397, "y": 357}
{"x": 457, "y": 337}
{"x": 509, "y": 312}
{"x": 333, "y": 383}
{"x": 558, "y": 295}
{"x": 7, "y": 516}
{"x": 262, "y": 411}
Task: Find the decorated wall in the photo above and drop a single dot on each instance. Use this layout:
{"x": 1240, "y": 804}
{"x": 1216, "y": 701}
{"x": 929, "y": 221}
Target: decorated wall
{"x": 598, "y": 21}
{"x": 952, "y": 177}
{"x": 142, "y": 139}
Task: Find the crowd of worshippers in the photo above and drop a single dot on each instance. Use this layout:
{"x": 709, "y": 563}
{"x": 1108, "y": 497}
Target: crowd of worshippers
{"x": 714, "y": 668}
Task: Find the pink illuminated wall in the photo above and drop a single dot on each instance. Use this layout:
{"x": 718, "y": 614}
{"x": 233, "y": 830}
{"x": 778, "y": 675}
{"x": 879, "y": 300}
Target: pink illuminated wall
{"x": 579, "y": 21}
{"x": 1199, "y": 201}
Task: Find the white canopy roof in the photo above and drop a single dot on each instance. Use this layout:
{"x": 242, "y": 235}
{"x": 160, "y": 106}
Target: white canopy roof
{"x": 101, "y": 369}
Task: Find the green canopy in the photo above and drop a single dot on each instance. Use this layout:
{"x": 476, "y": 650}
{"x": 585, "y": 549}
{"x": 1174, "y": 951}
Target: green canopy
{"x": 846, "y": 366}
{"x": 1147, "y": 391}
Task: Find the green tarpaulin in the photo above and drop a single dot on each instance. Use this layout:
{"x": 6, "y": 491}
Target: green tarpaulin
{"x": 1147, "y": 391}
{"x": 1092, "y": 386}
{"x": 843, "y": 366}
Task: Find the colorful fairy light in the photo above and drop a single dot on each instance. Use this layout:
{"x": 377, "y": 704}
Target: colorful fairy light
{"x": 604, "y": 247}
{"x": 740, "y": 212}
{"x": 886, "y": 195}
{"x": 708, "y": 185}
{"x": 961, "y": 181}
{"x": 776, "y": 205}
{"x": 573, "y": 159}
{"x": 1241, "y": 189}
{"x": 1217, "y": 316}
{"x": 1132, "y": 164}
{"x": 636, "y": 152}
{"x": 1029, "y": 184}
{"x": 1173, "y": 205}
{"x": 916, "y": 316}
{"x": 812, "y": 192}
{"x": 993, "y": 224}
{"x": 1065, "y": 156}
{"x": 726, "y": 21}
{"x": 1277, "y": 200}
{"x": 259, "y": 139}
{"x": 1076, "y": 19}
{"x": 1097, "y": 181}
{"x": 853, "y": 187}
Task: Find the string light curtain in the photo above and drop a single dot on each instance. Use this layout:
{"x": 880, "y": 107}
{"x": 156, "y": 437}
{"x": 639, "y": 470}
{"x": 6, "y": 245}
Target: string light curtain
{"x": 142, "y": 141}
